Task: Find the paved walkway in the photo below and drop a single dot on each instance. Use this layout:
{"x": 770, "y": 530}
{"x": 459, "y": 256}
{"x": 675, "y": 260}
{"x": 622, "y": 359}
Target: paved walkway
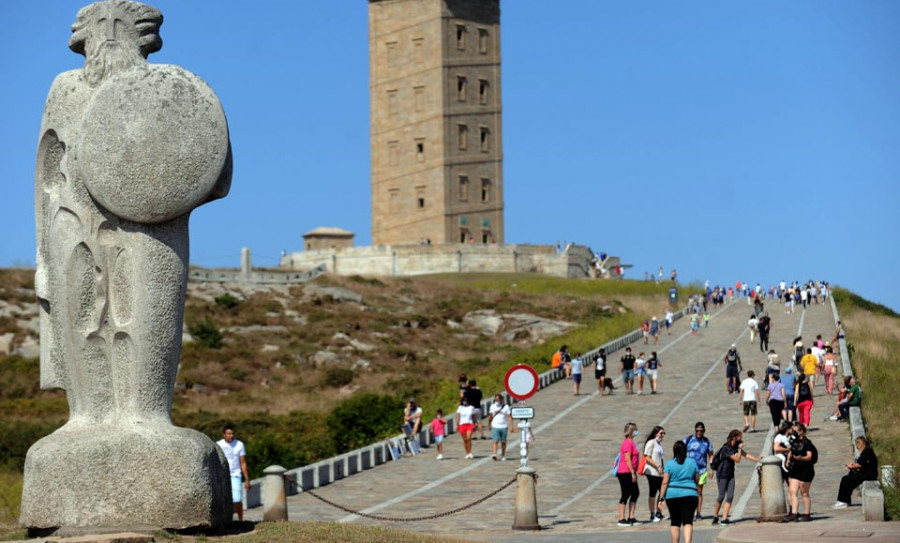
{"x": 576, "y": 439}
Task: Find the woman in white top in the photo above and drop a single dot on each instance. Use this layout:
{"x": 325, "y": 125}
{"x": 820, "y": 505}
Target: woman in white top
{"x": 640, "y": 371}
{"x": 465, "y": 423}
{"x": 653, "y": 469}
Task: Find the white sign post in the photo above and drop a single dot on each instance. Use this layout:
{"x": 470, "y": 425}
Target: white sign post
{"x": 521, "y": 383}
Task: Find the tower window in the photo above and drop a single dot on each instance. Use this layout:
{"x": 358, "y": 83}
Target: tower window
{"x": 392, "y": 102}
{"x": 461, "y": 37}
{"x": 461, "y": 88}
{"x": 485, "y": 190}
{"x": 418, "y": 49}
{"x": 420, "y": 149}
{"x": 463, "y": 137}
{"x": 393, "y": 153}
{"x": 419, "y": 99}
{"x": 485, "y": 139}
{"x": 483, "y": 44}
{"x": 483, "y": 87}
{"x": 392, "y": 54}
{"x": 463, "y": 188}
{"x": 421, "y": 203}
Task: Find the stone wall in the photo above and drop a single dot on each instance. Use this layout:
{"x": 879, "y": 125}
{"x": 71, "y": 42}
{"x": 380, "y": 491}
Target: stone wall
{"x": 401, "y": 260}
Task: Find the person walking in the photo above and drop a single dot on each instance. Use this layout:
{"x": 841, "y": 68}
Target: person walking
{"x": 801, "y": 472}
{"x": 640, "y": 371}
{"x": 865, "y": 468}
{"x": 749, "y": 400}
{"x": 829, "y": 364}
{"x": 235, "y": 455}
{"x": 465, "y": 416}
{"x": 626, "y": 473}
{"x": 763, "y": 328}
{"x": 654, "y": 463}
{"x": 654, "y": 330}
{"x": 789, "y": 380}
{"x": 653, "y": 365}
{"x": 670, "y": 318}
{"x": 775, "y": 398}
{"x": 803, "y": 396}
{"x": 626, "y": 368}
{"x": 577, "y": 369}
{"x": 475, "y": 395}
{"x": 810, "y": 364}
{"x": 499, "y": 420}
{"x": 680, "y": 492}
{"x": 752, "y": 324}
{"x": 439, "y": 429}
{"x": 600, "y": 371}
{"x": 700, "y": 450}
{"x": 733, "y": 368}
{"x": 728, "y": 456}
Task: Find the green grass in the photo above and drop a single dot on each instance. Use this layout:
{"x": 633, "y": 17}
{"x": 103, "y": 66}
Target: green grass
{"x": 10, "y": 500}
{"x": 873, "y": 337}
{"x": 327, "y": 532}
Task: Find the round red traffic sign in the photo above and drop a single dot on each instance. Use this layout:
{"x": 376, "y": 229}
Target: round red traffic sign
{"x": 521, "y": 382}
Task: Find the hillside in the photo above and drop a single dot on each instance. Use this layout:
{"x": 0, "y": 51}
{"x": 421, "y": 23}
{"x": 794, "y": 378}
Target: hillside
{"x": 306, "y": 372}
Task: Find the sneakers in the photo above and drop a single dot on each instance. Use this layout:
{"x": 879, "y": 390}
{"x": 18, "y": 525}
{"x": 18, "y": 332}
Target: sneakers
{"x": 789, "y": 518}
{"x": 746, "y": 427}
{"x": 804, "y": 518}
{"x": 839, "y": 505}
{"x": 655, "y": 517}
{"x": 623, "y": 522}
{"x": 494, "y": 457}
{"x": 440, "y": 457}
{"x": 715, "y": 521}
{"x": 659, "y": 516}
{"x": 726, "y": 522}
{"x": 698, "y": 517}
{"x": 470, "y": 456}
{"x": 633, "y": 521}
{"x": 833, "y": 417}
{"x": 503, "y": 459}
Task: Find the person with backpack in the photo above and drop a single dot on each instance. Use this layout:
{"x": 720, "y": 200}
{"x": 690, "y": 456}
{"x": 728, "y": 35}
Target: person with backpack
{"x": 733, "y": 368}
{"x": 801, "y": 471}
{"x": 803, "y": 398}
{"x": 700, "y": 450}
{"x": 763, "y": 327}
{"x": 723, "y": 463}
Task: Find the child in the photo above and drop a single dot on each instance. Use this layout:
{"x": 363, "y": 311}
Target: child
{"x": 437, "y": 427}
{"x": 706, "y": 319}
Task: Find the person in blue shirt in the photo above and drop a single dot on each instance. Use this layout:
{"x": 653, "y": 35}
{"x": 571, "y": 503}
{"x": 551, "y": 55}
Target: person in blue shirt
{"x": 700, "y": 450}
{"x": 680, "y": 492}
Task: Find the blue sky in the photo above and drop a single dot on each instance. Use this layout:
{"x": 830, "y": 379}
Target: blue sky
{"x": 753, "y": 141}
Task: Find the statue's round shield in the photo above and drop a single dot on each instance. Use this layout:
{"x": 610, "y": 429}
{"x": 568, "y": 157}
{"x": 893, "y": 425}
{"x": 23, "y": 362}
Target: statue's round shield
{"x": 153, "y": 143}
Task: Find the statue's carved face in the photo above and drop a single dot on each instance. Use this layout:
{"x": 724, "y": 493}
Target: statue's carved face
{"x": 115, "y": 35}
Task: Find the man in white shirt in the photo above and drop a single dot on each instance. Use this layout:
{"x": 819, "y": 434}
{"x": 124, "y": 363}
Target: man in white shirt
{"x": 235, "y": 453}
{"x": 500, "y": 420}
{"x": 749, "y": 400}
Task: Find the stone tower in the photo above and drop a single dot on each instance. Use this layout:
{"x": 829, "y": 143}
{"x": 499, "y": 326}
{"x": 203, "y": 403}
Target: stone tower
{"x": 437, "y": 162}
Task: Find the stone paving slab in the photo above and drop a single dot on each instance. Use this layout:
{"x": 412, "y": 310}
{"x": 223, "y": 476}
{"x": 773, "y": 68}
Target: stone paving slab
{"x": 576, "y": 440}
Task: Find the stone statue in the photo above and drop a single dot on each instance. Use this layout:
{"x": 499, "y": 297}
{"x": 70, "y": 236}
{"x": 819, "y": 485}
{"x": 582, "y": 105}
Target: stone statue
{"x": 127, "y": 149}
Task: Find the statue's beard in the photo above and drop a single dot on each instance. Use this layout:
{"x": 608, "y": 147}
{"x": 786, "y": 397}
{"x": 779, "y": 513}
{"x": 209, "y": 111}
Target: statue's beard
{"x": 109, "y": 58}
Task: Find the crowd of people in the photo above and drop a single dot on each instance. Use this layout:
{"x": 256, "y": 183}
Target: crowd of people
{"x": 675, "y": 481}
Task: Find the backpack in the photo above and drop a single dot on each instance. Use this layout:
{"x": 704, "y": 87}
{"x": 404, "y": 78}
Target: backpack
{"x": 717, "y": 459}
{"x": 616, "y": 464}
{"x": 732, "y": 357}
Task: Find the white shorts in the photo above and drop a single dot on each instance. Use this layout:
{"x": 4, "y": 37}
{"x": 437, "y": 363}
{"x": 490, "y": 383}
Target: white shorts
{"x": 653, "y": 374}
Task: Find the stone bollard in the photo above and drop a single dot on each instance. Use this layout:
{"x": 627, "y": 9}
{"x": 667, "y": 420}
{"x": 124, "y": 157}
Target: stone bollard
{"x": 274, "y": 496}
{"x": 773, "y": 507}
{"x": 526, "y": 517}
{"x": 887, "y": 476}
{"x": 246, "y": 262}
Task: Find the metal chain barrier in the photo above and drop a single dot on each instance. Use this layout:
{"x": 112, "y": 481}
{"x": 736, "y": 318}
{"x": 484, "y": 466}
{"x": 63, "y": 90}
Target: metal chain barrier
{"x": 411, "y": 519}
